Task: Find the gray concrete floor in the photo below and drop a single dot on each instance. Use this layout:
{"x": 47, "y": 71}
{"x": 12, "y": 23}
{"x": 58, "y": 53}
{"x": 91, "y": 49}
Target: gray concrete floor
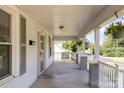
{"x": 62, "y": 75}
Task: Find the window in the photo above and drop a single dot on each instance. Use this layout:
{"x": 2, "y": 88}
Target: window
{"x": 50, "y": 46}
{"x": 89, "y": 44}
{"x": 112, "y": 47}
{"x": 5, "y": 44}
{"x": 22, "y": 45}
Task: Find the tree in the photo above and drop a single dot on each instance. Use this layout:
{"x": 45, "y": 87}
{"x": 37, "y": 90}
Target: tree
{"x": 114, "y": 43}
{"x": 72, "y": 45}
{"x": 112, "y": 48}
{"x": 76, "y": 45}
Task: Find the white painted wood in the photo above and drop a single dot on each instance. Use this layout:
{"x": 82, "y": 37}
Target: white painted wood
{"x": 107, "y": 75}
{"x": 31, "y": 52}
{"x": 110, "y": 76}
{"x": 120, "y": 72}
{"x": 74, "y": 18}
{"x": 64, "y": 38}
{"x": 94, "y": 73}
{"x": 96, "y": 45}
{"x": 103, "y": 16}
{"x": 83, "y": 40}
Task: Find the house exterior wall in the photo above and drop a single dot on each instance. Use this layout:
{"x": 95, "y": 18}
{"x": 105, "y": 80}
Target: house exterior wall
{"x": 48, "y": 59}
{"x": 32, "y": 29}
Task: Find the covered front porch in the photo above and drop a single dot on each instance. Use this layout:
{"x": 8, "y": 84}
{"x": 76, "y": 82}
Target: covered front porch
{"x": 27, "y": 47}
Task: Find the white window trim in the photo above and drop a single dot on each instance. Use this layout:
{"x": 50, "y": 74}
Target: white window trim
{"x": 6, "y": 80}
{"x": 12, "y": 11}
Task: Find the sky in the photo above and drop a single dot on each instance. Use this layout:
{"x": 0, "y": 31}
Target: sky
{"x": 90, "y": 35}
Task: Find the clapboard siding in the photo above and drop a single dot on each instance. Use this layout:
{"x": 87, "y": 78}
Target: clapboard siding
{"x": 32, "y": 29}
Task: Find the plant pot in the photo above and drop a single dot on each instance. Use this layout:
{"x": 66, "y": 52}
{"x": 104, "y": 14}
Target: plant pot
{"x": 118, "y": 35}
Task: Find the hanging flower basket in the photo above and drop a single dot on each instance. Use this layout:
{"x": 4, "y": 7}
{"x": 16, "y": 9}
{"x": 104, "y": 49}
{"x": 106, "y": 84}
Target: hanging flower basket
{"x": 116, "y": 30}
{"x": 118, "y": 35}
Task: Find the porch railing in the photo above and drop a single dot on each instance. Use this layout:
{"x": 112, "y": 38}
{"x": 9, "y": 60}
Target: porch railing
{"x": 64, "y": 56}
{"x": 105, "y": 74}
{"x": 110, "y": 75}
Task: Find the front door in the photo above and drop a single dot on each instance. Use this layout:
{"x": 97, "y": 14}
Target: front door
{"x": 40, "y": 53}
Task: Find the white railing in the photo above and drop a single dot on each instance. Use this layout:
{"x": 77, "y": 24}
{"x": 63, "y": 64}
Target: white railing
{"x": 89, "y": 59}
{"x": 104, "y": 73}
{"x": 111, "y": 75}
{"x": 64, "y": 56}
{"x": 107, "y": 75}
{"x": 120, "y": 77}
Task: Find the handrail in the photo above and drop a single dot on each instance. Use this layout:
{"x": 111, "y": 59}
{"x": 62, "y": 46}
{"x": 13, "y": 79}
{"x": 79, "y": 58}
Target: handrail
{"x": 63, "y": 56}
{"x": 113, "y": 71}
{"x": 107, "y": 64}
{"x": 111, "y": 75}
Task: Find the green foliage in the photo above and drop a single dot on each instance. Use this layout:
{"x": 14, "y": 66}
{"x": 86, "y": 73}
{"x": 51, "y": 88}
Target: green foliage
{"x": 112, "y": 52}
{"x": 87, "y": 44}
{"x": 72, "y": 45}
{"x": 112, "y": 48}
{"x": 90, "y": 48}
{"x": 109, "y": 42}
{"x": 115, "y": 30}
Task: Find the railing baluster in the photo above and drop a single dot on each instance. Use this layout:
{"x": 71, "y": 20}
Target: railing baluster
{"x": 100, "y": 75}
{"x": 114, "y": 77}
{"x": 111, "y": 78}
{"x": 108, "y": 75}
{"x": 123, "y": 79}
{"x": 104, "y": 76}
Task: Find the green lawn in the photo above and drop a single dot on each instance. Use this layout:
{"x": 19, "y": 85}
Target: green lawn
{"x": 115, "y": 59}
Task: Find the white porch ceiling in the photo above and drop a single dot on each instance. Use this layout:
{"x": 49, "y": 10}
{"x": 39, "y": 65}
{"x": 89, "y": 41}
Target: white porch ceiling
{"x": 74, "y": 18}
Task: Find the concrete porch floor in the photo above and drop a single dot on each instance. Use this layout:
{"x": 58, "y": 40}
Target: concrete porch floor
{"x": 62, "y": 75}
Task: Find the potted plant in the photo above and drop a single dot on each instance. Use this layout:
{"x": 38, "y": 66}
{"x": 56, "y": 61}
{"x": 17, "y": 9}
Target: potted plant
{"x": 116, "y": 30}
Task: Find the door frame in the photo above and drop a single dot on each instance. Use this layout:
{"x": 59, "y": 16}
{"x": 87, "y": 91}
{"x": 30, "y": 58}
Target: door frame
{"x": 38, "y": 55}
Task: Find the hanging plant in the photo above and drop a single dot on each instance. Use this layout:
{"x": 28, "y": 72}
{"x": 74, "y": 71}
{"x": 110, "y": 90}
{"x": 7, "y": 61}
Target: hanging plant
{"x": 116, "y": 30}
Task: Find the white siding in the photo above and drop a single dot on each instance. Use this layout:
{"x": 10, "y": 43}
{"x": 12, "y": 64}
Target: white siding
{"x": 48, "y": 60}
{"x": 30, "y": 76}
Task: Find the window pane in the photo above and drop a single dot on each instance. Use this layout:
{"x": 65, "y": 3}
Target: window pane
{"x": 5, "y": 60}
{"x": 23, "y": 30}
{"x": 49, "y": 45}
{"x": 4, "y": 26}
{"x": 22, "y": 45}
{"x": 23, "y": 60}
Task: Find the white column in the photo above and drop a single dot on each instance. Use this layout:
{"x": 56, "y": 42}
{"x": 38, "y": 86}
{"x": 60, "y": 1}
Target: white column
{"x": 83, "y": 41}
{"x": 96, "y": 45}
